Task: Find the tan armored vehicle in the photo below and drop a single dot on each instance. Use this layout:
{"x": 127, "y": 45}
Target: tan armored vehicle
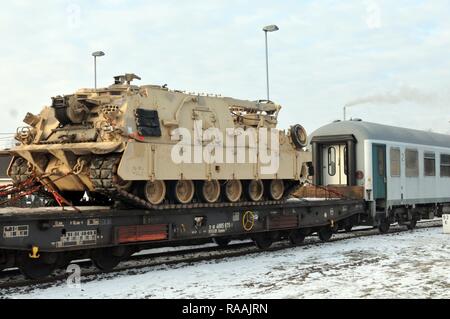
{"x": 131, "y": 138}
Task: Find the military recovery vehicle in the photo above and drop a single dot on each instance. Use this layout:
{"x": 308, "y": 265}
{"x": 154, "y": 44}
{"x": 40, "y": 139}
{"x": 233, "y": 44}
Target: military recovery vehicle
{"x": 121, "y": 137}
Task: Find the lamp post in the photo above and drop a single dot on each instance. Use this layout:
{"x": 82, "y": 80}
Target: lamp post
{"x": 267, "y": 29}
{"x": 95, "y": 55}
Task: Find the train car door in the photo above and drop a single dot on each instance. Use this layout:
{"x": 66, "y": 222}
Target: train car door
{"x": 379, "y": 171}
{"x": 343, "y": 165}
{"x": 334, "y": 160}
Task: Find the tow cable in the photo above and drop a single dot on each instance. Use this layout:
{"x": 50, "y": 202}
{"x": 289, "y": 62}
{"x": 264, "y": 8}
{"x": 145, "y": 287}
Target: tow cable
{"x": 31, "y": 186}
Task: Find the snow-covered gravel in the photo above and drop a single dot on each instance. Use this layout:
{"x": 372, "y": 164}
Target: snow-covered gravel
{"x": 403, "y": 265}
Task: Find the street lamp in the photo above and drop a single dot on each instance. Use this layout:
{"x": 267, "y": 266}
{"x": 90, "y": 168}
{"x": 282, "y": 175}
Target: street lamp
{"x": 266, "y": 29}
{"x": 95, "y": 55}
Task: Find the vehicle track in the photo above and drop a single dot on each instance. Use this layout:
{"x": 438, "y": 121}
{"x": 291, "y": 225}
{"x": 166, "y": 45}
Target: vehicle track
{"x": 136, "y": 264}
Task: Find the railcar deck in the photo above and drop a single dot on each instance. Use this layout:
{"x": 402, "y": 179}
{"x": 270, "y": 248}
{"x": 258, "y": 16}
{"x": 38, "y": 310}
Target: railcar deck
{"x": 56, "y": 229}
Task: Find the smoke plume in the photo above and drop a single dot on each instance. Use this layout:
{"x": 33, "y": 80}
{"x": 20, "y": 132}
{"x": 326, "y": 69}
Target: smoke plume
{"x": 404, "y": 94}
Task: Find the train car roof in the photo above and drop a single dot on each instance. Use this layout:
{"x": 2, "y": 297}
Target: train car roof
{"x": 372, "y": 131}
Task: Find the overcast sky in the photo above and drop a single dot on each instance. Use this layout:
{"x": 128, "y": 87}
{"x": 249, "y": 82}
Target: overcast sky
{"x": 326, "y": 54}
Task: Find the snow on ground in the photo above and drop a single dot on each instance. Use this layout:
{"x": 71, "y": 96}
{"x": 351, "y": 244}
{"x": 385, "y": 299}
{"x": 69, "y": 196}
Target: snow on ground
{"x": 403, "y": 265}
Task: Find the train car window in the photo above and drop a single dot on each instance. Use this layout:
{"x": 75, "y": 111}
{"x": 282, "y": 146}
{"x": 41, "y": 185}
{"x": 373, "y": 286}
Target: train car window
{"x": 395, "y": 162}
{"x": 331, "y": 161}
{"x": 445, "y": 165}
{"x": 412, "y": 163}
{"x": 381, "y": 164}
{"x": 429, "y": 160}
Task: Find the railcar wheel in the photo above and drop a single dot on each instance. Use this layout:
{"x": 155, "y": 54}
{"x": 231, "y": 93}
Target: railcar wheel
{"x": 155, "y": 192}
{"x": 37, "y": 268}
{"x": 7, "y": 259}
{"x": 233, "y": 190}
{"x": 106, "y": 258}
{"x": 64, "y": 260}
{"x": 412, "y": 224}
{"x": 184, "y": 191}
{"x": 384, "y": 226}
{"x": 276, "y": 189}
{"x": 263, "y": 241}
{"x": 255, "y": 190}
{"x": 325, "y": 234}
{"x": 348, "y": 228}
{"x": 210, "y": 191}
{"x": 297, "y": 237}
{"x": 222, "y": 241}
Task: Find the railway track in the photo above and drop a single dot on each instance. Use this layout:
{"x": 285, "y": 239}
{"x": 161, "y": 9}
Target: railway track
{"x": 87, "y": 265}
{"x": 12, "y": 279}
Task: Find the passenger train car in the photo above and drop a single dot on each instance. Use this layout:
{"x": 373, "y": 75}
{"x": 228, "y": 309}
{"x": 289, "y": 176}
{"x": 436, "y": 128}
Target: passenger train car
{"x": 403, "y": 174}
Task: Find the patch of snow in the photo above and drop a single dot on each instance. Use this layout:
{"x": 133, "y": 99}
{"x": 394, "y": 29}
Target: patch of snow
{"x": 400, "y": 265}
{"x": 179, "y": 248}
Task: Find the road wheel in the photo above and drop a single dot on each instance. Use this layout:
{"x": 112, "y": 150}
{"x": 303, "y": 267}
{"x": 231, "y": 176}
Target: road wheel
{"x": 233, "y": 190}
{"x": 276, "y": 189}
{"x": 297, "y": 237}
{"x": 210, "y": 191}
{"x": 184, "y": 191}
{"x": 155, "y": 192}
{"x": 325, "y": 234}
{"x": 255, "y": 190}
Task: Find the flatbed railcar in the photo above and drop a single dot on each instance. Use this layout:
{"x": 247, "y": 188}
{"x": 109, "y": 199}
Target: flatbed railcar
{"x": 39, "y": 240}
